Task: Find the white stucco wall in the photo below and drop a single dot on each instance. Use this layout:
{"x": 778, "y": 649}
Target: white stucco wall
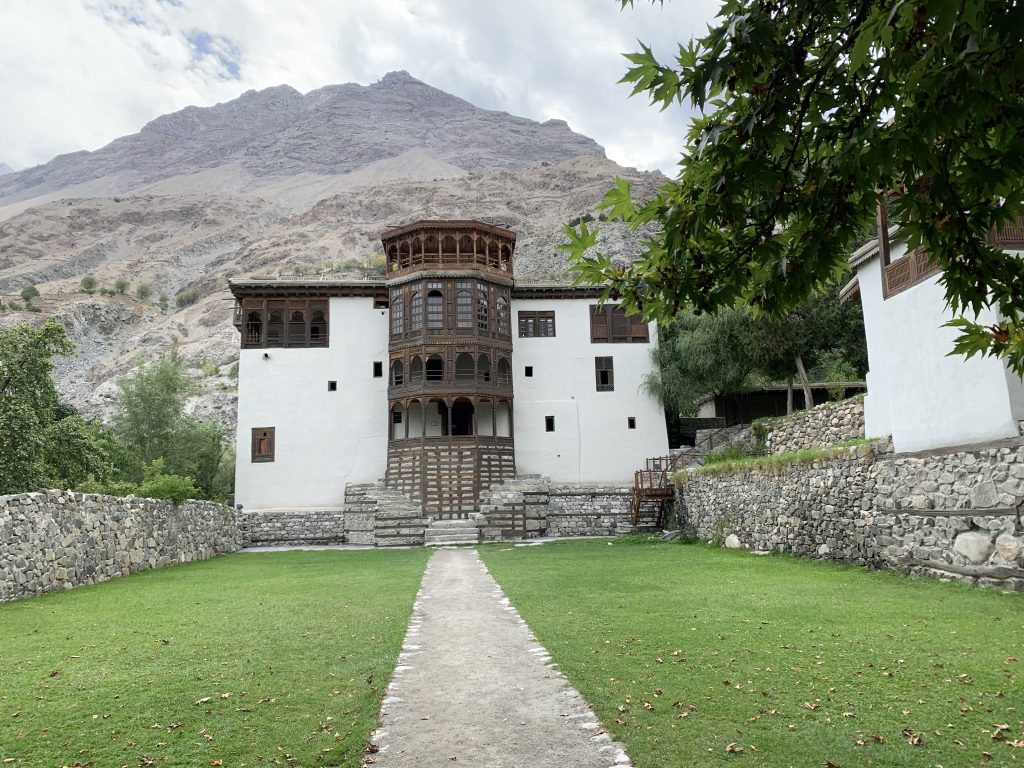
{"x": 591, "y": 441}
{"x": 916, "y": 393}
{"x": 323, "y": 439}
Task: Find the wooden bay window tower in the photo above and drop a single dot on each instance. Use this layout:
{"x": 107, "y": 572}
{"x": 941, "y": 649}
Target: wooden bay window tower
{"x": 450, "y": 362}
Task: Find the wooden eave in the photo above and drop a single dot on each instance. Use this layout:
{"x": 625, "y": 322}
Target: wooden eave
{"x": 442, "y": 273}
{"x": 446, "y": 224}
{"x": 552, "y": 291}
{"x": 251, "y": 287}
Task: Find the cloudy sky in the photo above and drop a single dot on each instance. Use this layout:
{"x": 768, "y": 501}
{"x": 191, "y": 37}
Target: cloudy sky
{"x": 75, "y": 74}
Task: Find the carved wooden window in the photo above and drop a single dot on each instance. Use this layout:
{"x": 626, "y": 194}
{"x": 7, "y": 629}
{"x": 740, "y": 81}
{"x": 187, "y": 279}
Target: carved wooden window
{"x": 416, "y": 311}
{"x": 435, "y": 306}
{"x": 502, "y": 315}
{"x": 905, "y": 272}
{"x": 1010, "y": 236}
{"x": 397, "y": 373}
{"x": 604, "y": 372}
{"x": 463, "y": 305}
{"x": 611, "y": 325}
{"x": 262, "y": 444}
{"x": 533, "y": 324}
{"x": 397, "y": 314}
{"x": 285, "y": 323}
{"x": 482, "y": 308}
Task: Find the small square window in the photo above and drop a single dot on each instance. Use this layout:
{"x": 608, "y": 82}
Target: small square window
{"x": 262, "y": 444}
{"x": 332, "y": 386}
{"x": 549, "y": 423}
{"x": 528, "y": 372}
{"x": 378, "y": 369}
{"x": 631, "y": 422}
{"x": 396, "y": 417}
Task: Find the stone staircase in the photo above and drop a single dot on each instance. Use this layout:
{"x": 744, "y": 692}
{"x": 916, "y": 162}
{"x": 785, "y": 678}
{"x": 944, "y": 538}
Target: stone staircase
{"x": 439, "y": 532}
{"x": 381, "y": 516}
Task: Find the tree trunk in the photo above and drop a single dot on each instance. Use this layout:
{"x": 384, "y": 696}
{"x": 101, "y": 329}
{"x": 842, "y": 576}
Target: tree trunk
{"x": 805, "y": 383}
{"x": 789, "y": 396}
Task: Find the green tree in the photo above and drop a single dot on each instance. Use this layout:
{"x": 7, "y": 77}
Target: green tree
{"x": 27, "y": 400}
{"x": 143, "y": 291}
{"x": 121, "y": 285}
{"x": 88, "y": 284}
{"x": 735, "y": 349}
{"x": 150, "y": 421}
{"x": 150, "y": 403}
{"x": 29, "y": 292}
{"x": 74, "y": 451}
{"x": 811, "y": 111}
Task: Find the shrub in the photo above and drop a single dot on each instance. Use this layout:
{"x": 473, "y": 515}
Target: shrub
{"x": 728, "y": 453}
{"x": 2, "y": 306}
{"x": 32, "y": 307}
{"x": 209, "y": 368}
{"x": 88, "y": 284}
{"x": 121, "y": 285}
{"x": 163, "y": 301}
{"x": 14, "y": 305}
{"x": 186, "y": 297}
{"x": 29, "y": 292}
{"x": 233, "y": 370}
{"x": 143, "y": 291}
{"x": 108, "y": 292}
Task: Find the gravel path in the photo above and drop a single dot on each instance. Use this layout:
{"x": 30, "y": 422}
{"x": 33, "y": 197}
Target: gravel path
{"x": 473, "y": 687}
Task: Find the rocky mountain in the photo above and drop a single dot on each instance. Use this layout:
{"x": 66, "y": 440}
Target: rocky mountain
{"x": 5, "y": 168}
{"x": 271, "y": 182}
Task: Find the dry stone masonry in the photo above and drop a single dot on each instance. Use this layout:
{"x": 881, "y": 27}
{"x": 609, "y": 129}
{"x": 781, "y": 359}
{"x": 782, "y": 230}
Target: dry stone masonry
{"x": 953, "y": 515}
{"x": 55, "y": 540}
{"x": 825, "y": 424}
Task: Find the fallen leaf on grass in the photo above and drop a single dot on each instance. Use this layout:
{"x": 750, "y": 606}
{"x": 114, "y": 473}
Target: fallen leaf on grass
{"x": 810, "y": 705}
{"x": 913, "y": 739}
{"x": 732, "y": 747}
{"x": 203, "y": 700}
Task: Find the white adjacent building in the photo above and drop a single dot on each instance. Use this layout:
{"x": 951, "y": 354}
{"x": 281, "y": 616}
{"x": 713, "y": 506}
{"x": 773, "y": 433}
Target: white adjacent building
{"x": 917, "y": 392}
{"x": 443, "y": 379}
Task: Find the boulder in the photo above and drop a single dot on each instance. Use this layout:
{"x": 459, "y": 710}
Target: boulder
{"x": 974, "y": 545}
{"x": 732, "y": 541}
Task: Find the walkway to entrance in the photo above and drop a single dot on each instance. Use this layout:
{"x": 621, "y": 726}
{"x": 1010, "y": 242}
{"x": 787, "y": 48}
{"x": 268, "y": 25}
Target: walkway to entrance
{"x": 474, "y": 687}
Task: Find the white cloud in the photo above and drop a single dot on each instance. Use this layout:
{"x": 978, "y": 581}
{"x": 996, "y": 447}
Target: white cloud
{"x": 76, "y": 74}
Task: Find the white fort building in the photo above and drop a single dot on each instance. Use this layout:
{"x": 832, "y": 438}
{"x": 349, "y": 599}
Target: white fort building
{"x": 440, "y": 381}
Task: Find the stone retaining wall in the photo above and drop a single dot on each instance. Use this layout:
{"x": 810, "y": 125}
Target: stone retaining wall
{"x": 291, "y": 527}
{"x": 527, "y": 507}
{"x": 54, "y": 540}
{"x": 825, "y": 424}
{"x": 952, "y": 515}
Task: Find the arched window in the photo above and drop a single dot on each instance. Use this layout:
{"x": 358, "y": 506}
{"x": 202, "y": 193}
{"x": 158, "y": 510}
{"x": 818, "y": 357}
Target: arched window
{"x": 317, "y": 327}
{"x": 416, "y": 311}
{"x": 464, "y": 368}
{"x": 482, "y": 308}
{"x": 416, "y": 370}
{"x": 435, "y": 368}
{"x": 430, "y": 245}
{"x": 397, "y": 373}
{"x": 502, "y": 312}
{"x": 492, "y": 255}
{"x": 392, "y": 257}
{"x": 397, "y": 316}
{"x": 448, "y": 245}
{"x": 504, "y": 372}
{"x": 417, "y": 247}
{"x": 463, "y": 306}
{"x": 506, "y": 258}
{"x": 297, "y": 327}
{"x": 435, "y": 310}
{"x": 466, "y": 248}
{"x": 403, "y": 254}
{"x": 483, "y": 369}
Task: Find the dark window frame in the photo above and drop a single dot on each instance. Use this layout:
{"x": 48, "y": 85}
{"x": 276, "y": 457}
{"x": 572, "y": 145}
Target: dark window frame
{"x": 300, "y": 322}
{"x": 378, "y": 369}
{"x": 549, "y": 423}
{"x": 609, "y": 324}
{"x": 263, "y": 453}
{"x": 536, "y": 323}
{"x": 604, "y": 373}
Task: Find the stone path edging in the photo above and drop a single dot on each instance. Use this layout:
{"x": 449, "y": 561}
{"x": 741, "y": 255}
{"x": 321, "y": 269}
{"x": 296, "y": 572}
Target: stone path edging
{"x": 474, "y": 687}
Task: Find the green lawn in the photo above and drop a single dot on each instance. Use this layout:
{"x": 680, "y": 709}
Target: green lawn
{"x": 701, "y": 656}
{"x": 267, "y": 659}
